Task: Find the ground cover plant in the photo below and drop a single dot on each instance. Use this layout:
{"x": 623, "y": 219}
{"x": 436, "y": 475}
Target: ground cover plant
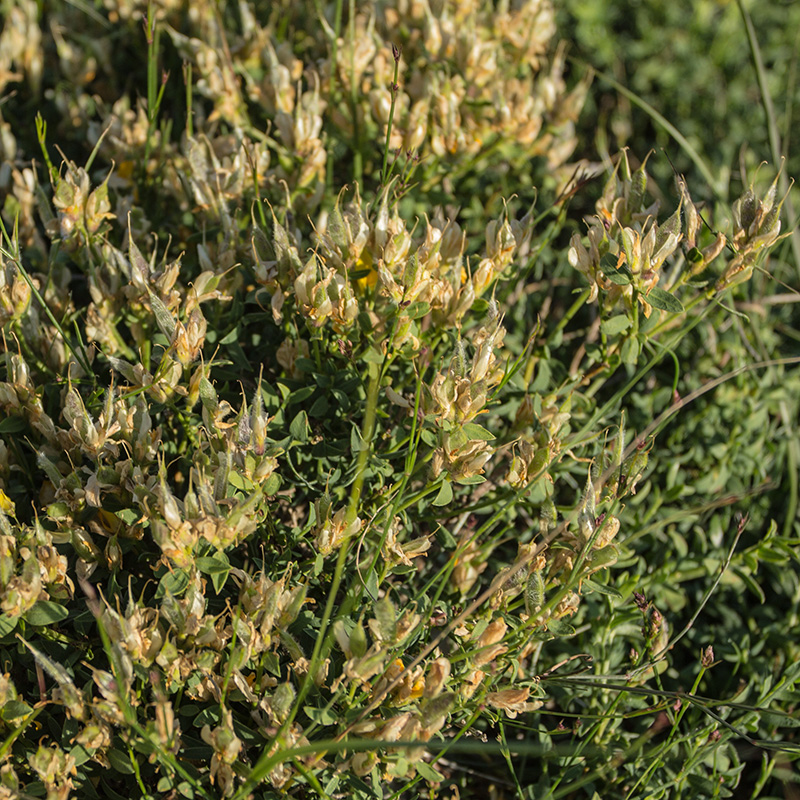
{"x": 370, "y": 428}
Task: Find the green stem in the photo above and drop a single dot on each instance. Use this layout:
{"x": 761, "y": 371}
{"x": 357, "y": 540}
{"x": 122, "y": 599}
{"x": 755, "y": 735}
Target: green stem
{"x": 354, "y": 105}
{"x": 571, "y": 312}
{"x": 394, "y": 89}
{"x": 322, "y": 643}
{"x": 656, "y": 760}
{"x": 154, "y": 93}
{"x": 81, "y": 358}
{"x": 187, "y": 78}
{"x": 792, "y": 461}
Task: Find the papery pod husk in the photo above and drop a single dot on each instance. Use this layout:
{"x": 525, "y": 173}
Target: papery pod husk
{"x": 342, "y": 637}
{"x": 291, "y": 612}
{"x": 638, "y": 188}
{"x": 386, "y": 619}
{"x": 437, "y": 707}
{"x": 358, "y": 640}
{"x": 225, "y": 463}
{"x": 534, "y": 592}
{"x": 282, "y": 699}
{"x": 669, "y": 228}
{"x": 547, "y": 513}
{"x": 603, "y": 557}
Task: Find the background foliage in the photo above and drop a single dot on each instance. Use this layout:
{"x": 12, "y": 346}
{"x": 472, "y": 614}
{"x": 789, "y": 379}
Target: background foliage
{"x": 293, "y": 475}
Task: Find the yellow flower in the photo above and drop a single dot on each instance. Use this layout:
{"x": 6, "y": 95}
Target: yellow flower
{"x": 365, "y": 263}
{"x": 6, "y": 503}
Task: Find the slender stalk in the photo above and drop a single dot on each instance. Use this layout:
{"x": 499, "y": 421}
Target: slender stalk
{"x": 395, "y": 87}
{"x": 80, "y": 355}
{"x": 155, "y": 93}
{"x": 322, "y": 641}
{"x": 187, "y": 80}
{"x": 354, "y": 106}
{"x": 570, "y": 313}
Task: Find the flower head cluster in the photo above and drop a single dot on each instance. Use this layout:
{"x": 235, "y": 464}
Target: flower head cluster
{"x": 626, "y": 249}
{"x": 756, "y": 227}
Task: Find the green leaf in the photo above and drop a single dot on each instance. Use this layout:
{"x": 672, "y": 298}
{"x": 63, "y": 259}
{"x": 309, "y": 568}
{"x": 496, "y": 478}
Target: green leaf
{"x": 445, "y": 494}
{"x": 428, "y": 772}
{"x": 630, "y": 350}
{"x": 208, "y": 395}
{"x": 341, "y": 398}
{"x": 185, "y": 788}
{"x": 600, "y": 588}
{"x": 319, "y": 562}
{"x": 164, "y": 318}
{"x": 322, "y": 380}
{"x": 217, "y": 566}
{"x": 371, "y": 584}
{"x": 230, "y": 337}
{"x": 475, "y": 431}
{"x": 272, "y": 664}
{"x": 301, "y": 394}
{"x": 238, "y": 482}
{"x": 613, "y": 326}
{"x": 299, "y": 427}
{"x": 45, "y": 612}
{"x": 173, "y": 582}
{"x": 629, "y": 246}
{"x": 471, "y": 480}
{"x": 428, "y": 437}
{"x": 372, "y": 356}
{"x": 208, "y": 716}
{"x": 7, "y": 624}
{"x": 58, "y": 510}
{"x": 128, "y": 515}
{"x": 560, "y": 628}
{"x": 12, "y": 425}
{"x": 751, "y": 584}
{"x": 219, "y": 579}
{"x": 621, "y": 276}
{"x": 357, "y": 443}
{"x": 13, "y": 710}
{"x": 120, "y": 762}
{"x": 458, "y": 438}
{"x": 664, "y": 301}
{"x": 774, "y": 719}
{"x": 417, "y": 310}
{"x": 445, "y": 538}
{"x": 80, "y": 755}
{"x": 385, "y": 615}
{"x": 212, "y": 565}
{"x": 320, "y": 407}
{"x": 271, "y": 485}
{"x": 322, "y": 716}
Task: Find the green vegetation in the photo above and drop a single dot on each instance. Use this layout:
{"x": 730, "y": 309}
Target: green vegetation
{"x": 398, "y": 400}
